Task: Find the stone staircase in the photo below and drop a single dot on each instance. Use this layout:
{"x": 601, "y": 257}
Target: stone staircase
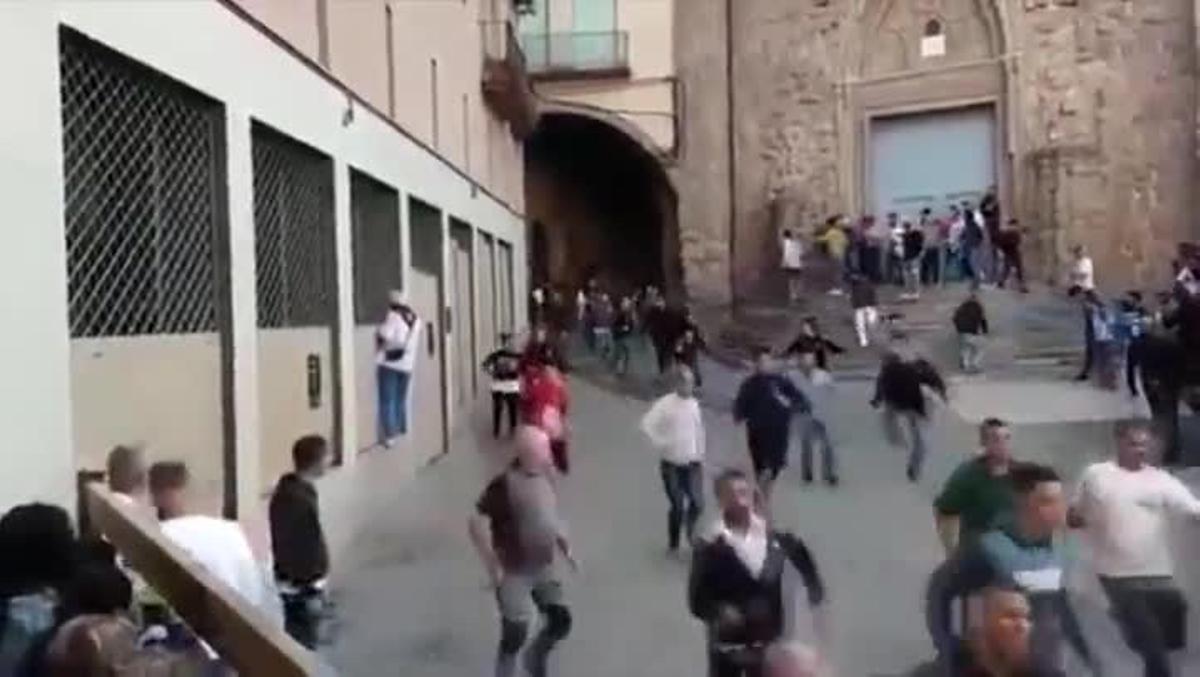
{"x": 1035, "y": 335}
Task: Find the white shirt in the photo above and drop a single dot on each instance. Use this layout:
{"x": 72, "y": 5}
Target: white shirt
{"x": 793, "y": 253}
{"x": 957, "y": 226}
{"x": 750, "y": 547}
{"x": 676, "y": 428}
{"x": 397, "y": 334}
{"x": 1125, "y": 514}
{"x": 1083, "y": 273}
{"x": 221, "y": 548}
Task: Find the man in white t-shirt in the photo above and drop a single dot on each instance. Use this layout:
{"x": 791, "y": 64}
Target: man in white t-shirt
{"x": 1123, "y": 506}
{"x": 1082, "y": 275}
{"x": 676, "y": 429}
{"x": 792, "y": 263}
{"x": 396, "y": 347}
{"x": 216, "y": 544}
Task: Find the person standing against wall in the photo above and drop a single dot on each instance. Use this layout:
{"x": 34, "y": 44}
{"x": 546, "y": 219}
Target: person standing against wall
{"x": 396, "y": 347}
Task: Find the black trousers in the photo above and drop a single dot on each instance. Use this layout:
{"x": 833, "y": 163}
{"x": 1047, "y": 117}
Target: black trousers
{"x": 302, "y": 613}
{"x": 1012, "y": 263}
{"x": 1152, "y": 615}
{"x": 499, "y": 402}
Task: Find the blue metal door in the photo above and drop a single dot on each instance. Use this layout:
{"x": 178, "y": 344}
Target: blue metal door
{"x": 931, "y": 160}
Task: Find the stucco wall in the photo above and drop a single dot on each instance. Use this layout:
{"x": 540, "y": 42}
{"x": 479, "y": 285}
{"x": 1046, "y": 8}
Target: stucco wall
{"x": 254, "y": 80}
{"x": 646, "y": 99}
{"x": 1097, "y": 104}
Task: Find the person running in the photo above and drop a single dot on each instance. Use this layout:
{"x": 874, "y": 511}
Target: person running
{"x": 504, "y": 366}
{"x": 812, "y": 340}
{"x": 661, "y": 325}
{"x": 1123, "y": 506}
{"x": 999, "y": 647}
{"x": 298, "y": 541}
{"x": 865, "y": 302}
{"x": 622, "y": 332}
{"x": 517, "y": 531}
{"x": 766, "y": 401}
{"x": 970, "y": 322}
{"x": 899, "y": 389}
{"x": 542, "y": 348}
{"x": 687, "y": 351}
{"x": 817, "y": 386}
{"x": 544, "y": 405}
{"x": 1024, "y": 554}
{"x": 676, "y": 428}
{"x": 735, "y": 586}
{"x": 978, "y": 495}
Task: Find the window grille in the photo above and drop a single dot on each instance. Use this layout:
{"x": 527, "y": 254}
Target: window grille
{"x": 143, "y": 166}
{"x": 375, "y": 212}
{"x": 293, "y": 232}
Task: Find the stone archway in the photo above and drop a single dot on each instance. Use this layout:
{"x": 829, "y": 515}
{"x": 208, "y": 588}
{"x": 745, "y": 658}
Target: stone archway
{"x": 605, "y": 205}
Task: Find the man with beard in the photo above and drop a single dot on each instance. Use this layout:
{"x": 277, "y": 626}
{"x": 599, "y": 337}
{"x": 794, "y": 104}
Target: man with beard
{"x": 736, "y": 582}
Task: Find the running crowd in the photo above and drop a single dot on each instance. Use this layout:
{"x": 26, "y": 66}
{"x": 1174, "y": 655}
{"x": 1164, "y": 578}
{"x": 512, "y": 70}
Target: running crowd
{"x": 71, "y": 606}
{"x": 1000, "y": 520}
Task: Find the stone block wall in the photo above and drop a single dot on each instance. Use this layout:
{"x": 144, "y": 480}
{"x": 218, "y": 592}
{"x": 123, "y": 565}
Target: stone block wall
{"x": 1099, "y": 115}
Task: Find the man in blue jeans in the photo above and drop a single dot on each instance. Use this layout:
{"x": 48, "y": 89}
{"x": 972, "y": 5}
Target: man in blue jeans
{"x": 675, "y": 428}
{"x": 396, "y": 346}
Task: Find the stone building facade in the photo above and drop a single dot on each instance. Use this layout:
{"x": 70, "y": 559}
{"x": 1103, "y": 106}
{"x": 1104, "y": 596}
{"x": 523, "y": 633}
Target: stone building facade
{"x": 1094, "y": 102}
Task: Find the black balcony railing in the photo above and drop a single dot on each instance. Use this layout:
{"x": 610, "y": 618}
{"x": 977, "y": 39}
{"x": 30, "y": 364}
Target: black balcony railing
{"x": 568, "y": 54}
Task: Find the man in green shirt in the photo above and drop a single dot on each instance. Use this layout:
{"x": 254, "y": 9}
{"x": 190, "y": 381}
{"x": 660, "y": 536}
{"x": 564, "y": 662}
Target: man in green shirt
{"x": 978, "y": 495}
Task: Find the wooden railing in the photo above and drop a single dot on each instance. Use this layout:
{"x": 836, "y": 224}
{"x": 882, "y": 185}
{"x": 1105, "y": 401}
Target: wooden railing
{"x": 242, "y": 635}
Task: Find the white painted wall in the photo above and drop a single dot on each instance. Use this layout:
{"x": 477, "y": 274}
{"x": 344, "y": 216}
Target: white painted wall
{"x": 209, "y": 48}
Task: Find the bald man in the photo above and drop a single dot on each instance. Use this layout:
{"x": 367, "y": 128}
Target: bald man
{"x": 517, "y": 531}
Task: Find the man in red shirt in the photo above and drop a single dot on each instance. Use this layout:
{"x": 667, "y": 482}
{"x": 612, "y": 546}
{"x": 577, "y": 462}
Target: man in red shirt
{"x": 544, "y": 405}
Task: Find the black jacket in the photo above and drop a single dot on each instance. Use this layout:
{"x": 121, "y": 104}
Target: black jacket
{"x": 297, "y": 541}
{"x": 899, "y": 385}
{"x": 718, "y": 578}
{"x": 862, "y": 294}
{"x": 819, "y": 345}
{"x": 970, "y": 318}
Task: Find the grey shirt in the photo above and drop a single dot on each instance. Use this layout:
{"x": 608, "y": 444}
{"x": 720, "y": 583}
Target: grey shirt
{"x": 535, "y": 512}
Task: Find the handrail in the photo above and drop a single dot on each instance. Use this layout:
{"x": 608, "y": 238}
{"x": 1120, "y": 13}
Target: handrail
{"x": 242, "y": 635}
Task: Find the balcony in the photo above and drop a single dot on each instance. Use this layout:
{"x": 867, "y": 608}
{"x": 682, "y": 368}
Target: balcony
{"x": 577, "y": 56}
{"x": 506, "y": 86}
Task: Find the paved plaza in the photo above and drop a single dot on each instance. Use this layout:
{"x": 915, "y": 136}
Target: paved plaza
{"x": 414, "y": 600}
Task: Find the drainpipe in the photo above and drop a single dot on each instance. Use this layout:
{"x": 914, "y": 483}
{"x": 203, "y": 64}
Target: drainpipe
{"x": 731, "y": 140}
